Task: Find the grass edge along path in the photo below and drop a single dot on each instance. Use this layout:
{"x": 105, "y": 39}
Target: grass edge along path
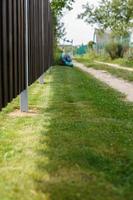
{"x": 79, "y": 147}
{"x": 115, "y": 65}
{"x": 120, "y": 73}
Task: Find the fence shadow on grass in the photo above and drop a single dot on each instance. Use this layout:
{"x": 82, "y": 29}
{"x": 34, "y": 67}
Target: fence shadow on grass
{"x": 79, "y": 154}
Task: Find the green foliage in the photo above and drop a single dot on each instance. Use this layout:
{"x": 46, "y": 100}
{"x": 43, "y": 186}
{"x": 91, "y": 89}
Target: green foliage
{"x": 115, "y": 50}
{"x": 91, "y": 44}
{"x": 116, "y": 15}
{"x": 91, "y": 56}
{"x": 57, "y": 7}
{"x": 57, "y": 56}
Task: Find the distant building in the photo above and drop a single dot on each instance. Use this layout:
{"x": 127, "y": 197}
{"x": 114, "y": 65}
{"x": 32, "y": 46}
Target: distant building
{"x": 101, "y": 38}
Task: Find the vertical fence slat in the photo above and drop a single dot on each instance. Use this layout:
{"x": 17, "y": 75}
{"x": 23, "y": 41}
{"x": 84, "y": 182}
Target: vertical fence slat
{"x": 10, "y": 51}
{"x": 1, "y": 85}
{"x": 4, "y": 56}
{"x": 15, "y": 57}
{"x": 12, "y": 45}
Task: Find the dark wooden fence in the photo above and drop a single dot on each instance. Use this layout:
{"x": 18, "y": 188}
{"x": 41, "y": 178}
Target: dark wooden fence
{"x": 12, "y": 45}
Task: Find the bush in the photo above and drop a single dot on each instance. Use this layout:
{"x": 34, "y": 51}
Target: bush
{"x": 57, "y": 56}
{"x": 115, "y": 50}
{"x": 91, "y": 44}
{"x": 91, "y": 55}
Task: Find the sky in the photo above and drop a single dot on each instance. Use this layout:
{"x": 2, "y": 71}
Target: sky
{"x": 77, "y": 30}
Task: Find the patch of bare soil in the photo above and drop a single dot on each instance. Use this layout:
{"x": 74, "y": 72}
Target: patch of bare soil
{"x": 18, "y": 113}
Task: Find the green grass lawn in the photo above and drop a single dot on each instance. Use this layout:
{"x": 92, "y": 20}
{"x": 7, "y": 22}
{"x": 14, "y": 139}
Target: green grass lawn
{"x": 125, "y": 62}
{"x": 79, "y": 146}
{"x": 120, "y": 73}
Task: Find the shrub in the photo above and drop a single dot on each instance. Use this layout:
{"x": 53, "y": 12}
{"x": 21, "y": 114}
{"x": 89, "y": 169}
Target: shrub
{"x": 91, "y": 55}
{"x": 57, "y": 56}
{"x": 115, "y": 50}
{"x": 91, "y": 44}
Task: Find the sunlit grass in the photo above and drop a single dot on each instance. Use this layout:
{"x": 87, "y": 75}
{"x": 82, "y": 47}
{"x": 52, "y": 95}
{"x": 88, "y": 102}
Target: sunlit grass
{"x": 79, "y": 146}
{"x": 120, "y": 73}
{"x": 104, "y": 57}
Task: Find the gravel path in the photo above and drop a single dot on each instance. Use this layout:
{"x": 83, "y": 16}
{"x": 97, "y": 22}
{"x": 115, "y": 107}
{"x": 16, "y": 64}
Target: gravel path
{"x": 115, "y": 66}
{"x": 119, "y": 84}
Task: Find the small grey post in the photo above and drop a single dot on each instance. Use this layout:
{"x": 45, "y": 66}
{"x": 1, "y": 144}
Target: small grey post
{"x": 24, "y": 101}
{"x": 24, "y": 94}
{"x": 41, "y": 79}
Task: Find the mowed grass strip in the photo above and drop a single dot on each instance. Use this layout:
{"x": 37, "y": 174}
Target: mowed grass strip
{"x": 79, "y": 147}
{"x": 120, "y": 73}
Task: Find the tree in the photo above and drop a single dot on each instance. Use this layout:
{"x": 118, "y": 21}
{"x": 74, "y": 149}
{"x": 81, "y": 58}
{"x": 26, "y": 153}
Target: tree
{"x": 116, "y": 15}
{"x": 91, "y": 44}
{"x": 57, "y": 7}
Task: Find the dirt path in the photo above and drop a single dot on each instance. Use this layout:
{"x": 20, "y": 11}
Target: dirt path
{"x": 114, "y": 65}
{"x": 119, "y": 84}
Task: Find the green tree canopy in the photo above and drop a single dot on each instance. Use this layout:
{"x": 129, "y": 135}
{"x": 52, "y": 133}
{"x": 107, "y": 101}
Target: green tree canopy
{"x": 57, "y": 7}
{"x": 116, "y": 15}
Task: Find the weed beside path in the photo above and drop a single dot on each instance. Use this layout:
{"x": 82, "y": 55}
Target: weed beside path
{"x": 115, "y": 66}
{"x": 120, "y": 73}
{"x": 79, "y": 147}
{"x": 118, "y": 84}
